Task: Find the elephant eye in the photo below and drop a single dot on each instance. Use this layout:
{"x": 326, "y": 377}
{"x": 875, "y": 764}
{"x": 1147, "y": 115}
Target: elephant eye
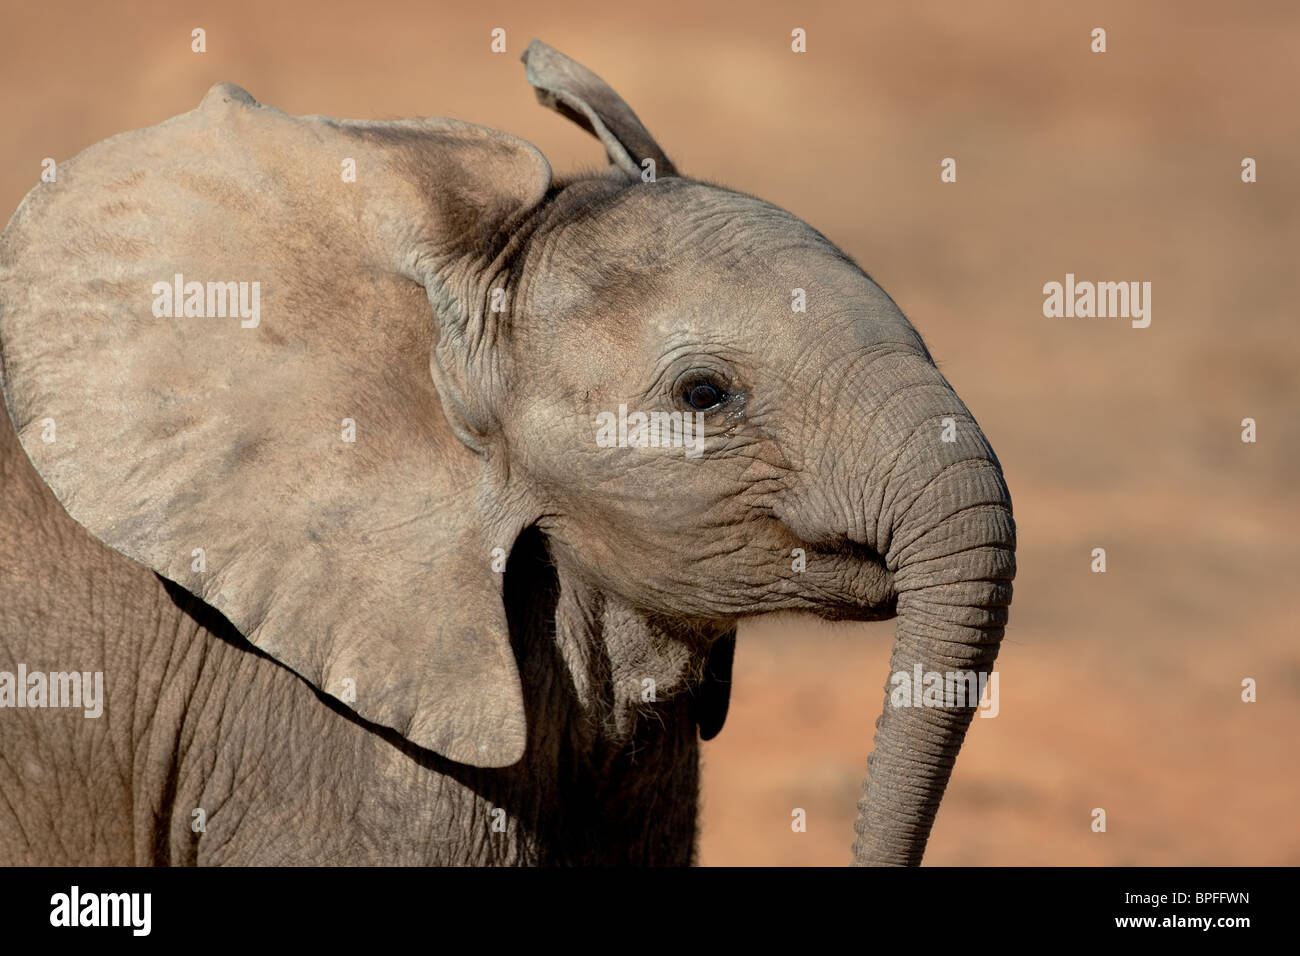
{"x": 703, "y": 392}
{"x": 704, "y": 396}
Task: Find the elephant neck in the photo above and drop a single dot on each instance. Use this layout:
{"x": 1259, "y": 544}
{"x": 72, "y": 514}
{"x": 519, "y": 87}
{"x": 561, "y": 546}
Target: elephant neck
{"x": 608, "y": 776}
{"x": 611, "y": 666}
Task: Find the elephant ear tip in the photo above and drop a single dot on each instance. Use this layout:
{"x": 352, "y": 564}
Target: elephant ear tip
{"x": 223, "y": 93}
{"x": 503, "y": 750}
{"x": 535, "y": 48}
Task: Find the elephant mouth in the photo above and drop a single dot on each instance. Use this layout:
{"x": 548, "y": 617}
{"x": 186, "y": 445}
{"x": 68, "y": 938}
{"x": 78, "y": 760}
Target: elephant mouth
{"x": 884, "y": 612}
{"x": 862, "y": 589}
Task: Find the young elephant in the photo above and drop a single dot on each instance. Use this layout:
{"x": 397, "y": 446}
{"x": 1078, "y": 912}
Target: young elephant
{"x": 481, "y": 467}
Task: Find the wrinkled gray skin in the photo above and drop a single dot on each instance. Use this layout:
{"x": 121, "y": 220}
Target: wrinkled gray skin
{"x": 350, "y": 679}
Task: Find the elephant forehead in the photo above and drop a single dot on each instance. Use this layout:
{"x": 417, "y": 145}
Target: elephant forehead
{"x": 651, "y": 266}
{"x": 602, "y": 229}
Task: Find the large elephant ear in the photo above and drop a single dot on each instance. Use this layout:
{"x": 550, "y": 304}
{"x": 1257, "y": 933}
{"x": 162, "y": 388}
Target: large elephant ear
{"x": 216, "y": 338}
{"x": 572, "y": 90}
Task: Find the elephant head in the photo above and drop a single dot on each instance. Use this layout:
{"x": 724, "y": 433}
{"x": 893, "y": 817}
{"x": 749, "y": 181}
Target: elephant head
{"x": 323, "y": 374}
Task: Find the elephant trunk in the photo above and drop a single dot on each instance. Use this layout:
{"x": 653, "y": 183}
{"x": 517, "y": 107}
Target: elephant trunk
{"x": 946, "y": 628}
{"x": 935, "y": 506}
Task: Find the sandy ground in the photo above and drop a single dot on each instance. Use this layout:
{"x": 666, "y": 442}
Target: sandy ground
{"x": 1119, "y": 691}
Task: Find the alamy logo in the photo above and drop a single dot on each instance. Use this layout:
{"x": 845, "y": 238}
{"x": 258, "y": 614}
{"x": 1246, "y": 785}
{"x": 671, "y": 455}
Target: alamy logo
{"x": 1102, "y": 300}
{"x": 103, "y": 909}
{"x": 651, "y": 430}
{"x": 82, "y": 689}
{"x": 970, "y": 689}
{"x": 215, "y": 300}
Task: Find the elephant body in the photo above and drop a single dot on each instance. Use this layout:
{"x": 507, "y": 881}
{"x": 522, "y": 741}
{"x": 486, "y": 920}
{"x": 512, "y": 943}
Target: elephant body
{"x": 283, "y": 774}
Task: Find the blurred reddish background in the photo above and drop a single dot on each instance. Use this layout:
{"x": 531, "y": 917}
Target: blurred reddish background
{"x": 1120, "y": 690}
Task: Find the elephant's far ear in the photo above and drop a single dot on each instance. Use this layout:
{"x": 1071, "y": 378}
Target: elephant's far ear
{"x": 574, "y": 91}
{"x": 215, "y": 337}
{"x": 714, "y": 694}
